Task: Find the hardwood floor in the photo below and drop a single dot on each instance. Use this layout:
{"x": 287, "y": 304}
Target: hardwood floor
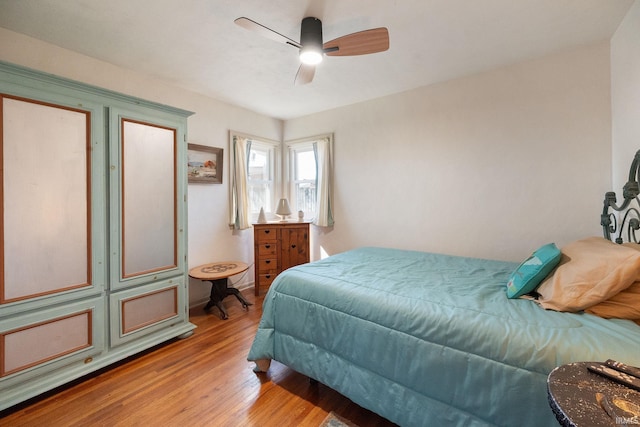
{"x": 204, "y": 380}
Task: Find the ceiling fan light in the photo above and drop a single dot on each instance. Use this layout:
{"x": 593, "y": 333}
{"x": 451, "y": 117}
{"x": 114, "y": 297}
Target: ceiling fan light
{"x": 310, "y": 56}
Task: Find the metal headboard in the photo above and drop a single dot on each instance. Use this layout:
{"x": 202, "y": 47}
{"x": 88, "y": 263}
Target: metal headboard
{"x": 613, "y": 227}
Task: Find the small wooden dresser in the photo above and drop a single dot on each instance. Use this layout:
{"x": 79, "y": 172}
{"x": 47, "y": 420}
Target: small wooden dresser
{"x": 278, "y": 246}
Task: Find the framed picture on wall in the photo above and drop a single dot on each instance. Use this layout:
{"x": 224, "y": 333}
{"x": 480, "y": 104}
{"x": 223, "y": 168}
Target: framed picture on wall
{"x": 204, "y": 164}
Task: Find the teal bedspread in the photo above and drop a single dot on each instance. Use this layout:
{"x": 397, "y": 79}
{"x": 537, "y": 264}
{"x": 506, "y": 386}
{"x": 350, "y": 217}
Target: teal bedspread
{"x": 428, "y": 339}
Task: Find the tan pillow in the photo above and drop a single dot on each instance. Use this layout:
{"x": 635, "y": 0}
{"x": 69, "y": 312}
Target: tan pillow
{"x": 624, "y": 305}
{"x": 632, "y": 245}
{"x": 591, "y": 271}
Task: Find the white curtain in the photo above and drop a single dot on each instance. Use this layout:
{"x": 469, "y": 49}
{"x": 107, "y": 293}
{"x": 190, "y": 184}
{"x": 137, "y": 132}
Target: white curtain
{"x": 239, "y": 203}
{"x": 322, "y": 150}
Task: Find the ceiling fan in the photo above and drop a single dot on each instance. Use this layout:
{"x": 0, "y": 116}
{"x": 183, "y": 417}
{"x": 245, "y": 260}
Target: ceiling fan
{"x": 312, "y": 49}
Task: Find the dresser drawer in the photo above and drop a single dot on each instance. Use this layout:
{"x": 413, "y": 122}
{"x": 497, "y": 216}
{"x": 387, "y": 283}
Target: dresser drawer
{"x": 266, "y": 279}
{"x": 268, "y": 266}
{"x": 264, "y": 234}
{"x": 268, "y": 250}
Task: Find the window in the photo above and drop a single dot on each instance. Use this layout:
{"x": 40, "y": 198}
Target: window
{"x": 261, "y": 182}
{"x": 309, "y": 163}
{"x": 257, "y": 178}
{"x": 302, "y": 179}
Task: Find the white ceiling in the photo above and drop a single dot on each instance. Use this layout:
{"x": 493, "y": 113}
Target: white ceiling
{"x": 195, "y": 44}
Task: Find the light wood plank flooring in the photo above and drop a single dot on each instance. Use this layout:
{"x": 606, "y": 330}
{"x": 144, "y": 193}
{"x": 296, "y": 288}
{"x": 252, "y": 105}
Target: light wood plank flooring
{"x": 204, "y": 380}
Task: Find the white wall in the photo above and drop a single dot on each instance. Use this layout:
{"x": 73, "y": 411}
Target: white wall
{"x": 209, "y": 236}
{"x": 491, "y": 165}
{"x": 625, "y": 95}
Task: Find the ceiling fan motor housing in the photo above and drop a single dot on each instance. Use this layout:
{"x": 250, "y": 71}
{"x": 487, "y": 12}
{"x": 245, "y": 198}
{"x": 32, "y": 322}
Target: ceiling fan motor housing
{"x": 311, "y": 33}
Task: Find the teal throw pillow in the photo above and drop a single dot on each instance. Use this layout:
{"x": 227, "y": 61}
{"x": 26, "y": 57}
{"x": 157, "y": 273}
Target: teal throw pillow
{"x": 533, "y": 271}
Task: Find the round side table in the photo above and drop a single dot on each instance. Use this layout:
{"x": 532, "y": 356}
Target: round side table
{"x": 572, "y": 391}
{"x": 218, "y": 274}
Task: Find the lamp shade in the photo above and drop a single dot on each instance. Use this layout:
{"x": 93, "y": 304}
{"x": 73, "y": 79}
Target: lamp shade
{"x": 283, "y": 208}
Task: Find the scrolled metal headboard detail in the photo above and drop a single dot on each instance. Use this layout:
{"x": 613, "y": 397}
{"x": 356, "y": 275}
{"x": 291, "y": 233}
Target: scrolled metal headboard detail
{"x": 612, "y": 225}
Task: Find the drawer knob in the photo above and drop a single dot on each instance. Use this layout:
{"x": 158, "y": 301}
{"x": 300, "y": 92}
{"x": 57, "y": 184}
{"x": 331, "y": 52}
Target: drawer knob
{"x": 268, "y": 261}
{"x": 267, "y": 231}
{"x": 268, "y": 276}
{"x": 267, "y": 246}
{"x": 293, "y": 246}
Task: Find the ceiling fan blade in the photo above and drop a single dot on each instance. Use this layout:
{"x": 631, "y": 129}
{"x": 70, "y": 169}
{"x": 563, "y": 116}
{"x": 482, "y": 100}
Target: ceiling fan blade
{"x": 305, "y": 74}
{"x": 252, "y": 25}
{"x": 360, "y": 43}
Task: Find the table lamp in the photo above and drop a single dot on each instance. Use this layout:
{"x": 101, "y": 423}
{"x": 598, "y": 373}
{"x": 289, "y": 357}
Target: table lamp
{"x": 283, "y": 209}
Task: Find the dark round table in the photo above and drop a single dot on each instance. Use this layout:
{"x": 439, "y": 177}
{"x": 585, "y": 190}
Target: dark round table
{"x": 572, "y": 389}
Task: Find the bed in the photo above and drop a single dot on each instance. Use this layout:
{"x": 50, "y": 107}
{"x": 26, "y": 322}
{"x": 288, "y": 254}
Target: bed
{"x": 428, "y": 339}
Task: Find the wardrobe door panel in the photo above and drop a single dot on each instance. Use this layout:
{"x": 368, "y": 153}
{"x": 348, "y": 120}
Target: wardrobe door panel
{"x": 148, "y": 194}
{"x": 146, "y": 309}
{"x": 31, "y": 345}
{"x": 149, "y": 308}
{"x": 41, "y": 341}
{"x": 46, "y": 206}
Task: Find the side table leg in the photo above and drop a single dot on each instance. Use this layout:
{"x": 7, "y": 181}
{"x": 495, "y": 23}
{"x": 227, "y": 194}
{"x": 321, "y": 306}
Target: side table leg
{"x": 218, "y": 292}
{"x": 237, "y": 294}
